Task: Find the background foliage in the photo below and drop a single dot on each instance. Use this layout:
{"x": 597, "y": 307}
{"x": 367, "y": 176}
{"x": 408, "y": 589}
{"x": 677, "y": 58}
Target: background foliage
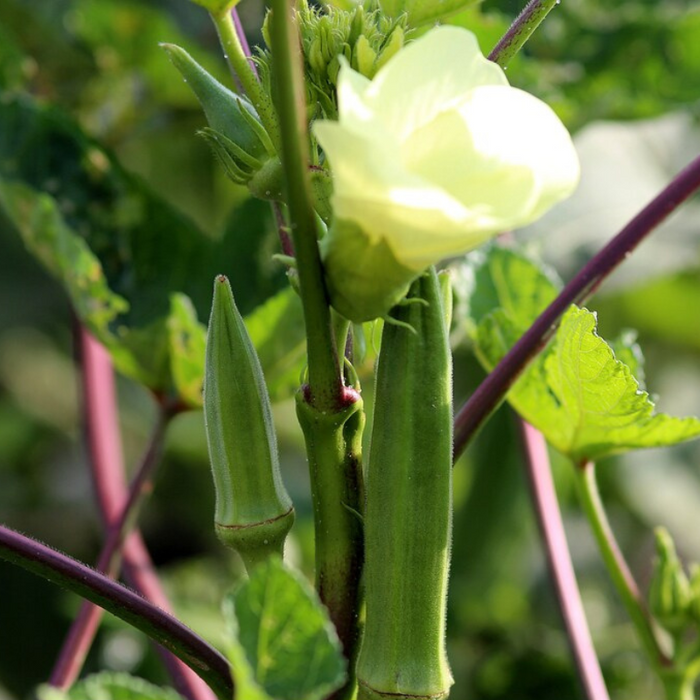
{"x": 97, "y": 131}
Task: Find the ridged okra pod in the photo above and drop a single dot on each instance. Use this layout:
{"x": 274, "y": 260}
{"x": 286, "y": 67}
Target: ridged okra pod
{"x": 253, "y": 511}
{"x": 408, "y": 516}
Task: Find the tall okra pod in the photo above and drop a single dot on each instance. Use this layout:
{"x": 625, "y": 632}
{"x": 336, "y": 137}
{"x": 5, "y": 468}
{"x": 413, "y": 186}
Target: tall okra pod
{"x": 253, "y": 511}
{"x": 408, "y": 515}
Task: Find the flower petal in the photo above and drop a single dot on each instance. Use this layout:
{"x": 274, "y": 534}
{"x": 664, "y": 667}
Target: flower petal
{"x": 427, "y": 77}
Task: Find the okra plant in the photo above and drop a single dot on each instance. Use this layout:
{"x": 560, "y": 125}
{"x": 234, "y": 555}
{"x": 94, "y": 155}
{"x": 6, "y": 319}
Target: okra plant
{"x": 396, "y": 160}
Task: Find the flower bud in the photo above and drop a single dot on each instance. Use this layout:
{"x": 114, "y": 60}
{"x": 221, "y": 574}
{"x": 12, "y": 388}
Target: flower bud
{"x": 431, "y": 158}
{"x": 409, "y": 505}
{"x": 253, "y": 512}
{"x": 235, "y": 134}
{"x": 365, "y": 39}
{"x": 669, "y": 593}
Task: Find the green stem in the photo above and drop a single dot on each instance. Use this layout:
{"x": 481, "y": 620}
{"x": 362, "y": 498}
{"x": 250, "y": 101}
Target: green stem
{"x": 325, "y": 379}
{"x": 521, "y": 30}
{"x": 239, "y": 64}
{"x": 334, "y": 448}
{"x": 617, "y": 567}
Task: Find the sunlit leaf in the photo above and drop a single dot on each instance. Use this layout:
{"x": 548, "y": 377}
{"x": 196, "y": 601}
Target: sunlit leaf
{"x": 581, "y": 394}
{"x": 281, "y": 643}
{"x": 109, "y": 686}
{"x": 585, "y": 401}
{"x": 187, "y": 346}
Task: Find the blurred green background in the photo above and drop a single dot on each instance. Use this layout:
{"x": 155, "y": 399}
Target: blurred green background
{"x": 98, "y": 63}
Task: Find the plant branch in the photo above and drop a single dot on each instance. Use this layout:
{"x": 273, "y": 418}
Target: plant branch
{"x": 242, "y": 69}
{"x": 77, "y": 644}
{"x": 617, "y": 567}
{"x": 109, "y": 481}
{"x": 521, "y": 30}
{"x": 561, "y": 569}
{"x": 164, "y": 629}
{"x": 493, "y": 389}
{"x": 326, "y": 390}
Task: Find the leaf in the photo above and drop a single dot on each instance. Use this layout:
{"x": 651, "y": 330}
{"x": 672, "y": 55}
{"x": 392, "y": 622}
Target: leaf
{"x": 109, "y": 686}
{"x": 585, "y": 401}
{"x": 277, "y": 331}
{"x": 506, "y": 278}
{"x": 187, "y": 347}
{"x": 580, "y": 392}
{"x": 282, "y": 644}
{"x": 122, "y": 253}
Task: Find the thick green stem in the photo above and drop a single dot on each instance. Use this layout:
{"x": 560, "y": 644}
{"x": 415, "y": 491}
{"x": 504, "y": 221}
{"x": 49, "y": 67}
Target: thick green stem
{"x": 325, "y": 379}
{"x": 240, "y": 65}
{"x": 334, "y": 448}
{"x": 617, "y": 567}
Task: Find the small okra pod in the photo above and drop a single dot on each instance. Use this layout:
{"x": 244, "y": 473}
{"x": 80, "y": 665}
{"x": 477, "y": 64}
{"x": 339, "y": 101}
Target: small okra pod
{"x": 408, "y": 515}
{"x": 253, "y": 512}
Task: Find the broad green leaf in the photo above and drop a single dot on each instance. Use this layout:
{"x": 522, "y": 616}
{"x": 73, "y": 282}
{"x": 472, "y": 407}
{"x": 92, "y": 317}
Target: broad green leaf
{"x": 277, "y": 331}
{"x": 506, "y": 278}
{"x": 187, "y": 346}
{"x": 585, "y": 401}
{"x": 109, "y": 686}
{"x": 122, "y": 253}
{"x": 282, "y": 644}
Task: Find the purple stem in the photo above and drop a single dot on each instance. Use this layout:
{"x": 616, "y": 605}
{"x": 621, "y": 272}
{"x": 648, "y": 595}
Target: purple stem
{"x": 240, "y": 32}
{"x": 107, "y": 468}
{"x": 559, "y": 562}
{"x": 80, "y": 636}
{"x": 493, "y": 389}
{"x": 164, "y": 629}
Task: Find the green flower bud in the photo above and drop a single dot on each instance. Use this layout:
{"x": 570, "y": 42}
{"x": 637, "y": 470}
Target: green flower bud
{"x": 366, "y": 39}
{"x": 409, "y": 501}
{"x": 235, "y": 134}
{"x": 253, "y": 512}
{"x": 669, "y": 593}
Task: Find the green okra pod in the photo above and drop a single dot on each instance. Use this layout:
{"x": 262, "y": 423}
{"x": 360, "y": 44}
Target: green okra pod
{"x": 253, "y": 512}
{"x": 408, "y": 514}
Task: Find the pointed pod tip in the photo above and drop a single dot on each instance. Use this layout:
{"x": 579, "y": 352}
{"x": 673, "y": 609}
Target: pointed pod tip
{"x": 221, "y": 279}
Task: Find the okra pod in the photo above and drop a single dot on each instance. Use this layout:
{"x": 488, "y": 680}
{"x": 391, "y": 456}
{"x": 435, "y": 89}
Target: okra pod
{"x": 408, "y": 516}
{"x": 253, "y": 511}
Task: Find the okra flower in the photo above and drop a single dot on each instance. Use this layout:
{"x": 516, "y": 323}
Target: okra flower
{"x": 430, "y": 158}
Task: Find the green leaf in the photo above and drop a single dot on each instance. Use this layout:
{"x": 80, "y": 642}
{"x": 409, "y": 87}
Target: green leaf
{"x": 122, "y": 253}
{"x": 585, "y": 401}
{"x": 282, "y": 644}
{"x": 109, "y": 686}
{"x": 277, "y": 331}
{"x": 580, "y": 392}
{"x": 188, "y": 340}
{"x": 498, "y": 277}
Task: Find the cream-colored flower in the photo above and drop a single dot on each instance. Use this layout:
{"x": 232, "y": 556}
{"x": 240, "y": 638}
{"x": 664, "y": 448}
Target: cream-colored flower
{"x": 431, "y": 158}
